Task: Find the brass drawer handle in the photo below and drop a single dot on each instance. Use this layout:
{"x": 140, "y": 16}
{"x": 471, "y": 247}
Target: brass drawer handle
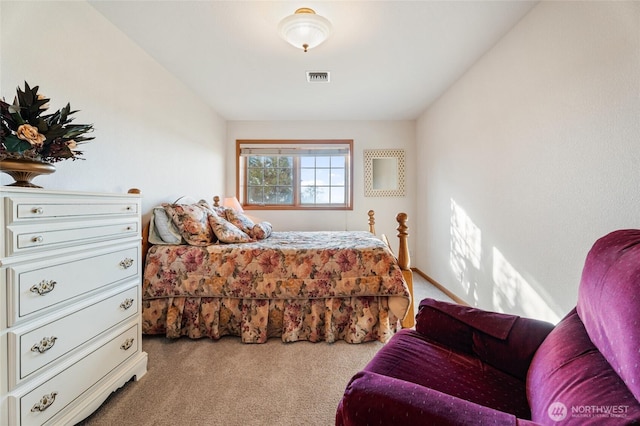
{"x": 43, "y": 287}
{"x": 126, "y": 304}
{"x": 126, "y": 263}
{"x": 127, "y": 344}
{"x": 45, "y": 344}
{"x": 45, "y": 402}
{"x": 37, "y": 210}
{"x": 37, "y": 239}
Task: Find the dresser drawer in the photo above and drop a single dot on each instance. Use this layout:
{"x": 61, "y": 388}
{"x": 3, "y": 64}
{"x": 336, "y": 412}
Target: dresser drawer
{"x": 48, "y": 399}
{"x": 37, "y": 348}
{"x": 27, "y": 209}
{"x": 23, "y": 239}
{"x": 35, "y": 287}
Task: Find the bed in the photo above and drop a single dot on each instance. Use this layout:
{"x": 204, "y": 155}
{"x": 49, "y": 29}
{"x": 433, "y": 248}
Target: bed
{"x": 313, "y": 286}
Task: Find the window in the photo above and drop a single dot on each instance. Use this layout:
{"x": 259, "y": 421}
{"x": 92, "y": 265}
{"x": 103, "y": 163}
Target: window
{"x": 294, "y": 174}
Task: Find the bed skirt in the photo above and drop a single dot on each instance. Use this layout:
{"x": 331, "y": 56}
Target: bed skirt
{"x": 352, "y": 319}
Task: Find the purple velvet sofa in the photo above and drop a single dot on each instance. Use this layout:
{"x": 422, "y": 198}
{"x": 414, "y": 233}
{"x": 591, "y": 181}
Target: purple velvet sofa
{"x": 465, "y": 366}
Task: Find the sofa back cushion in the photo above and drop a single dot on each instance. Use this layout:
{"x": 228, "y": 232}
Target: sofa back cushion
{"x": 609, "y": 302}
{"x": 571, "y": 383}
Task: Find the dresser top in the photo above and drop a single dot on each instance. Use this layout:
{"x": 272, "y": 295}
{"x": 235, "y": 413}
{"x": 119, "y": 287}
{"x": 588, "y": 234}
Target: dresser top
{"x": 41, "y": 191}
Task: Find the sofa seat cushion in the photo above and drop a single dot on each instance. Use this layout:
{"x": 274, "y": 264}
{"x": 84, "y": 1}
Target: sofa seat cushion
{"x": 409, "y": 356}
{"x": 570, "y": 381}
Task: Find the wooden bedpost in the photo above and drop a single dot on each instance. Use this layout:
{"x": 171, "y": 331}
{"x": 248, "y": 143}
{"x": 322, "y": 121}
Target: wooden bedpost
{"x": 404, "y": 262}
{"x": 372, "y": 222}
{"x": 216, "y": 201}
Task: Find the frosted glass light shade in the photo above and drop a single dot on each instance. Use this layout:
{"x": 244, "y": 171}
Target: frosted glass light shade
{"x": 304, "y": 29}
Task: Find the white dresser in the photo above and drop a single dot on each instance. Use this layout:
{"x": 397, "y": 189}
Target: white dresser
{"x": 70, "y": 331}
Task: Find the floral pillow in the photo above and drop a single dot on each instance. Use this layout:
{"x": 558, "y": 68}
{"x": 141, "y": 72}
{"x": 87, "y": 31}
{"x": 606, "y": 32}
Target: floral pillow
{"x": 220, "y": 211}
{"x": 226, "y": 231}
{"x": 240, "y": 220}
{"x": 261, "y": 230}
{"x": 191, "y": 221}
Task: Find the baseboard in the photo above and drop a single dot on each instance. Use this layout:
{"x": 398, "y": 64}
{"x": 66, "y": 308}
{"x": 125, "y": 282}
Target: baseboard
{"x": 440, "y": 287}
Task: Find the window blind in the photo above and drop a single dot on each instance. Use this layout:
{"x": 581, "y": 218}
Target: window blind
{"x": 293, "y": 151}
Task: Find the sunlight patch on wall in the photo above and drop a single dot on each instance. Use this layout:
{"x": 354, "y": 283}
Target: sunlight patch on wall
{"x": 513, "y": 294}
{"x": 466, "y": 249}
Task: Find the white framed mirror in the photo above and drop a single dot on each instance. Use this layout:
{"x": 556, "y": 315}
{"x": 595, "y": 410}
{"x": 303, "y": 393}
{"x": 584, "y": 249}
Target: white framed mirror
{"x": 384, "y": 172}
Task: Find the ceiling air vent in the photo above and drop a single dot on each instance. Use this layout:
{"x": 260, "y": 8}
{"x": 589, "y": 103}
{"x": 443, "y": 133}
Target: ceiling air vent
{"x": 318, "y": 76}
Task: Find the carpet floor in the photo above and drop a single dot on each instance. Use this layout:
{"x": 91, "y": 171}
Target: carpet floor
{"x": 226, "y": 382}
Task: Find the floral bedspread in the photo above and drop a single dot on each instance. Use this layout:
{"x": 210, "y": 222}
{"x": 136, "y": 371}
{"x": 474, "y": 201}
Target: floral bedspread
{"x": 300, "y": 268}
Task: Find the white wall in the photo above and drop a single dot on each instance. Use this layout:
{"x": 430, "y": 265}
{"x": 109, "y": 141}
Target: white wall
{"x": 152, "y": 132}
{"x": 365, "y": 135}
{"x": 535, "y": 154}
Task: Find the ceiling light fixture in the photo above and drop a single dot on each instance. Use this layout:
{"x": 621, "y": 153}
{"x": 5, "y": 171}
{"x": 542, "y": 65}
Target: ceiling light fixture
{"x": 304, "y": 29}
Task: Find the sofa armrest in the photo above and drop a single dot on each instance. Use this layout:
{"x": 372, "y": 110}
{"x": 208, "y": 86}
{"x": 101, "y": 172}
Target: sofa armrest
{"x": 438, "y": 321}
{"x": 507, "y": 342}
{"x": 453, "y": 325}
{"x": 371, "y": 398}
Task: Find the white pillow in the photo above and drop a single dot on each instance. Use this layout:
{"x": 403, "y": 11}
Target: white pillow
{"x": 162, "y": 230}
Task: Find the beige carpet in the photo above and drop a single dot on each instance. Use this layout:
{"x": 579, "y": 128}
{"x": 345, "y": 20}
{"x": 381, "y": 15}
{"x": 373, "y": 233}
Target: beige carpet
{"x": 226, "y": 382}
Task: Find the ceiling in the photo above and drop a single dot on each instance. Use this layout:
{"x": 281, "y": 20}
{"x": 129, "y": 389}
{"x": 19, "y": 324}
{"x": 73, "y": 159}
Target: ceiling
{"x": 388, "y": 59}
